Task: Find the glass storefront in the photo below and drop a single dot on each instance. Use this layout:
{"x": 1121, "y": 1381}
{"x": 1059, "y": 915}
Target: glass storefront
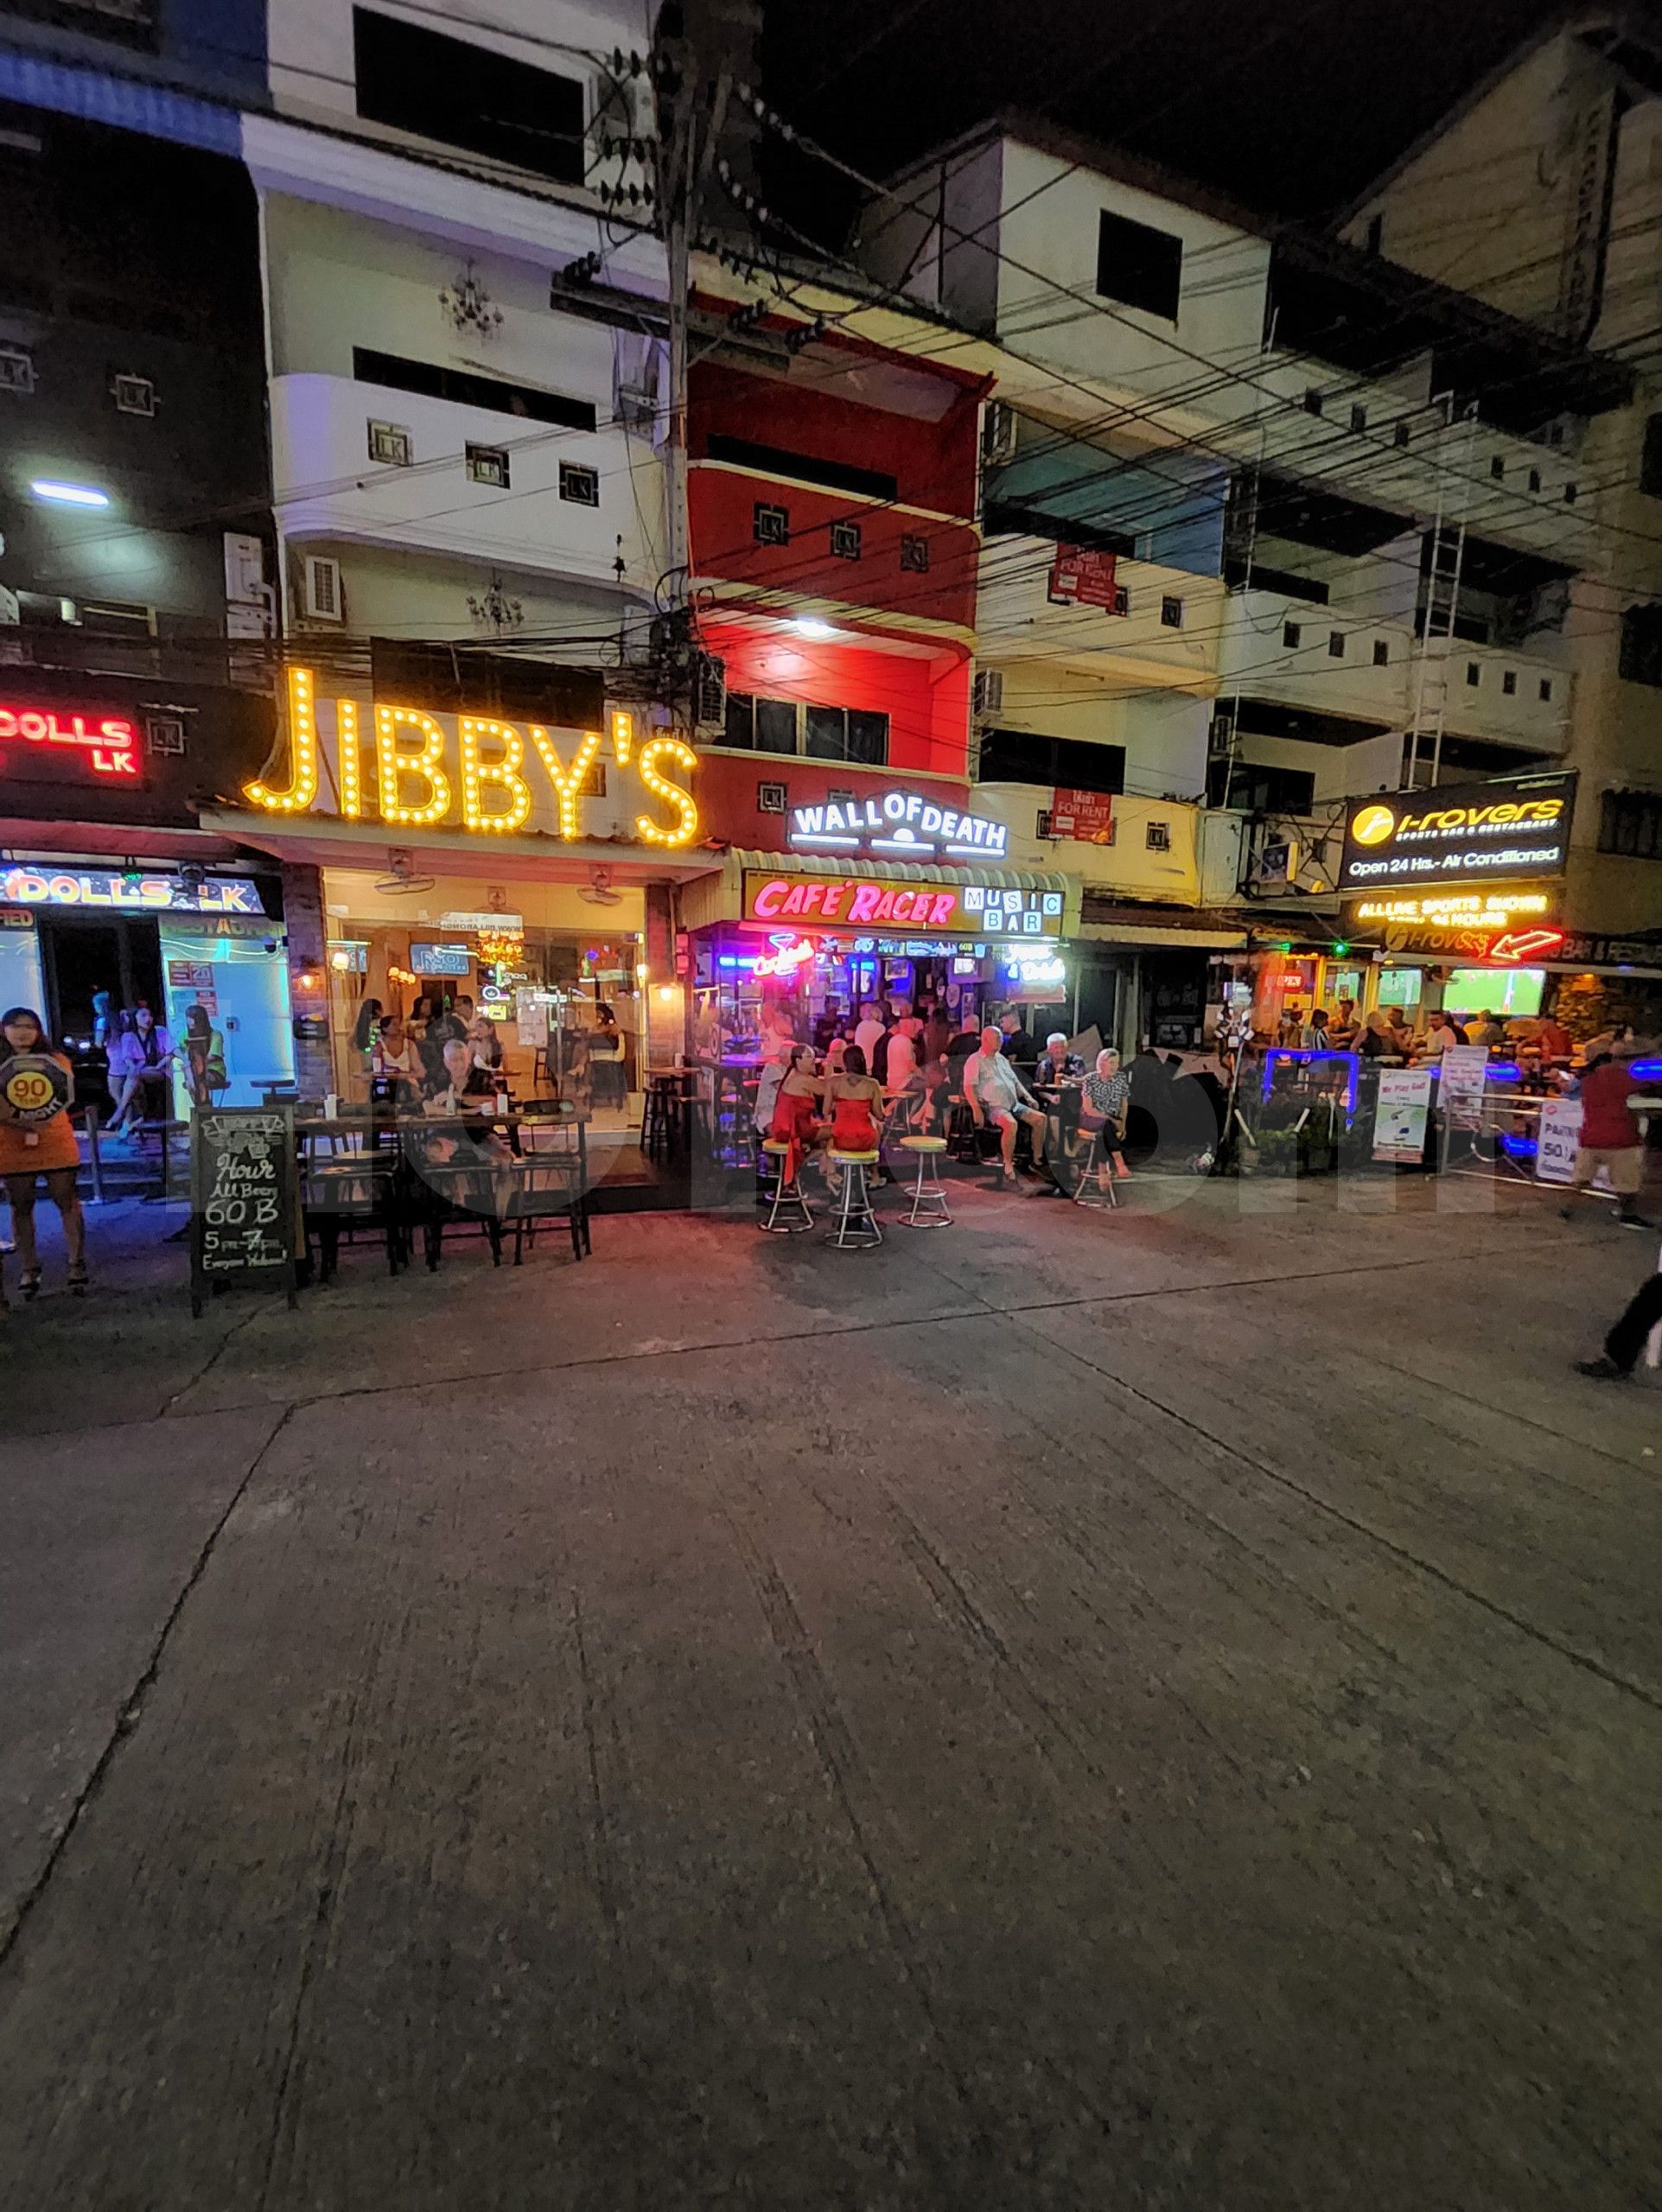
{"x": 545, "y": 963}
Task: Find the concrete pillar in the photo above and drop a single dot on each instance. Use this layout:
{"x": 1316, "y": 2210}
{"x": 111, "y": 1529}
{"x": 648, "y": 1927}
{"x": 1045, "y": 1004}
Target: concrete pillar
{"x": 308, "y": 995}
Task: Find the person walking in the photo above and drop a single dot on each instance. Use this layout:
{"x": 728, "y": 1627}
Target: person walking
{"x": 1642, "y": 1313}
{"x": 1611, "y": 1137}
{"x": 32, "y": 1148}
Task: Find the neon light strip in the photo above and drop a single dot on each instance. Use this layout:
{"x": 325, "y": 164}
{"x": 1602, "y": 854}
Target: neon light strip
{"x": 847, "y": 844}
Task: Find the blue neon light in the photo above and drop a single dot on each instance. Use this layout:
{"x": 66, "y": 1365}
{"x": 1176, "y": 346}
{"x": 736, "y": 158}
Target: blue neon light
{"x": 1502, "y": 1072}
{"x": 1308, "y": 1052}
{"x": 1647, "y": 1070}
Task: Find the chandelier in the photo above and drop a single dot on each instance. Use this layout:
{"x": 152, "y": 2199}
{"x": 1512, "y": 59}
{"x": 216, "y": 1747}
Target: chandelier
{"x": 494, "y": 606}
{"x": 469, "y": 306}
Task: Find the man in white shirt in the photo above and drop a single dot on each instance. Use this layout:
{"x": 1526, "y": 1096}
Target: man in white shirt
{"x": 869, "y": 1028}
{"x": 998, "y": 1098}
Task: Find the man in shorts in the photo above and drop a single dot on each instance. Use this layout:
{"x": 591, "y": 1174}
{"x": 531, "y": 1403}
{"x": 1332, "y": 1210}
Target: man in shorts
{"x": 997, "y": 1098}
{"x": 1611, "y": 1137}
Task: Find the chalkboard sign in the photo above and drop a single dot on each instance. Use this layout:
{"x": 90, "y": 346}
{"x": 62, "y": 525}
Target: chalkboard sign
{"x": 244, "y": 1210}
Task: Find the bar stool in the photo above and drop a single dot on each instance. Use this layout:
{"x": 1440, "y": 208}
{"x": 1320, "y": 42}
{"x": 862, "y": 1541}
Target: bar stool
{"x": 787, "y": 1194}
{"x": 1085, "y": 1191}
{"x": 857, "y": 1229}
{"x": 928, "y": 1191}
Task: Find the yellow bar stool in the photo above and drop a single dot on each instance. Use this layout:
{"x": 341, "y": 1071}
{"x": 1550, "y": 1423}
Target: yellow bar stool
{"x": 857, "y": 1229}
{"x": 928, "y": 1209}
{"x": 787, "y": 1195}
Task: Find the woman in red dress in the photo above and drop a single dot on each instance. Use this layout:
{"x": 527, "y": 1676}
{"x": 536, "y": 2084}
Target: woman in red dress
{"x": 794, "y": 1122}
{"x": 856, "y": 1101}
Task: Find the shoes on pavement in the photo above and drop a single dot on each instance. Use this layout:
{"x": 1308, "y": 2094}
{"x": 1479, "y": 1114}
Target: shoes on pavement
{"x": 1602, "y": 1370}
{"x": 1630, "y": 1220}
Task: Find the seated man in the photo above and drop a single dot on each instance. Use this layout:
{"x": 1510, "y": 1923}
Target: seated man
{"x": 997, "y": 1098}
{"x": 1056, "y": 1063}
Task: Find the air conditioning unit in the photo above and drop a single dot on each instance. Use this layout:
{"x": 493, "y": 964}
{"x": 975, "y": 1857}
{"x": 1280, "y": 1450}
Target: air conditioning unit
{"x": 710, "y": 693}
{"x": 324, "y": 600}
{"x": 990, "y": 691}
{"x": 998, "y": 435}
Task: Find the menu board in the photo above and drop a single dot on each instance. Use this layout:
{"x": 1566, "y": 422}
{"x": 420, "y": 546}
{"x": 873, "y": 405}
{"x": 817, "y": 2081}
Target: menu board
{"x": 245, "y": 1211}
{"x": 1559, "y": 1139}
{"x": 1399, "y": 1118}
{"x": 1460, "y": 1085}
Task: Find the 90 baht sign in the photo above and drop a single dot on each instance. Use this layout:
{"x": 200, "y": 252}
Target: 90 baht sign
{"x": 402, "y": 766}
{"x": 1510, "y": 831}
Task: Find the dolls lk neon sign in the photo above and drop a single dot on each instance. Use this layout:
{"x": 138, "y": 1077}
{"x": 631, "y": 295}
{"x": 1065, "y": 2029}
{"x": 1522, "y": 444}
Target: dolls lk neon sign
{"x": 896, "y": 822}
{"x": 400, "y": 765}
{"x": 107, "y": 744}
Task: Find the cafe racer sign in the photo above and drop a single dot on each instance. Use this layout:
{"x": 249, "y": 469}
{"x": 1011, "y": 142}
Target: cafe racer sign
{"x": 1516, "y": 830}
{"x": 869, "y": 902}
{"x": 410, "y": 769}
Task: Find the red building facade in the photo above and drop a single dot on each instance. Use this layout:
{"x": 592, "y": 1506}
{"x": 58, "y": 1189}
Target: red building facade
{"x": 832, "y": 499}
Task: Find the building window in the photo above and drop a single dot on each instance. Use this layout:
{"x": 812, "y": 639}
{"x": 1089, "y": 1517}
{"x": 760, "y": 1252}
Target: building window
{"x": 1139, "y": 266}
{"x": 770, "y": 525}
{"x": 1498, "y": 467}
{"x": 1157, "y": 837}
{"x": 1314, "y": 402}
{"x": 389, "y": 446}
{"x": 1631, "y": 822}
{"x": 1509, "y": 682}
{"x": 1473, "y": 673}
{"x": 1171, "y": 612}
{"x": 1400, "y": 432}
{"x": 822, "y": 732}
{"x": 1122, "y": 600}
{"x": 845, "y": 541}
{"x": 1535, "y": 479}
{"x": 1570, "y": 491}
{"x": 1335, "y": 644}
{"x": 845, "y": 734}
{"x": 1381, "y": 654}
{"x": 1546, "y": 690}
{"x": 466, "y": 388}
{"x": 914, "y": 556}
{"x": 1357, "y": 417}
{"x": 1640, "y": 660}
{"x": 465, "y": 95}
{"x": 488, "y": 465}
{"x": 1650, "y": 459}
{"x": 1290, "y": 634}
{"x": 579, "y": 484}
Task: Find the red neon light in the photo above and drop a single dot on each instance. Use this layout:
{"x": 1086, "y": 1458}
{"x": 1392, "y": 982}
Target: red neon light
{"x": 1525, "y": 944}
{"x": 108, "y": 743}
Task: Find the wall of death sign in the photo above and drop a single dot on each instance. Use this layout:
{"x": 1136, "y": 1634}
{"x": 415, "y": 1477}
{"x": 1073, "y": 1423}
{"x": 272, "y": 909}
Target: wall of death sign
{"x": 410, "y": 769}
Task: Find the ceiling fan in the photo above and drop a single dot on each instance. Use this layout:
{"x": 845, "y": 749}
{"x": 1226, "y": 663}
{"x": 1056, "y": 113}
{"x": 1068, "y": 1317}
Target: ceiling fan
{"x": 402, "y": 875}
{"x": 600, "y": 892}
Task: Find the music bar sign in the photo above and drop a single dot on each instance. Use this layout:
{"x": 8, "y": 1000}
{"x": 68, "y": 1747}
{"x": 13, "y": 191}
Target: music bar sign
{"x": 866, "y": 902}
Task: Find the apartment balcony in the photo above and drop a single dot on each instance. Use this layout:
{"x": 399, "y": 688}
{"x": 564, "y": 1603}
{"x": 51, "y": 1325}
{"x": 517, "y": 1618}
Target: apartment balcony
{"x": 569, "y": 505}
{"x": 1161, "y": 628}
{"x": 1320, "y": 661}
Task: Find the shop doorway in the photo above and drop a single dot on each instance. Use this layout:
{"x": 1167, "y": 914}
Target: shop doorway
{"x": 113, "y": 953}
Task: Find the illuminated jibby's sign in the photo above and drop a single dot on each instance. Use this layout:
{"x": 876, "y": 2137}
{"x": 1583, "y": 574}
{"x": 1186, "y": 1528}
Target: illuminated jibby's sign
{"x": 37, "y": 883}
{"x": 406, "y": 770}
{"x": 863, "y": 902}
{"x": 897, "y": 822}
{"x": 107, "y": 744}
{"x": 1462, "y": 834}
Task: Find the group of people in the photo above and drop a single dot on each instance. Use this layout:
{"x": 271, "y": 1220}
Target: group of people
{"x": 436, "y": 1056}
{"x": 141, "y": 1054}
{"x": 1384, "y": 1033}
{"x": 895, "y": 1066}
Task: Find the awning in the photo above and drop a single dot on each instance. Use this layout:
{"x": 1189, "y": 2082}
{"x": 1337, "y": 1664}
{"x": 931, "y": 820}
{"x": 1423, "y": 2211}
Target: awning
{"x": 1177, "y": 939}
{"x": 719, "y": 897}
{"x": 325, "y": 840}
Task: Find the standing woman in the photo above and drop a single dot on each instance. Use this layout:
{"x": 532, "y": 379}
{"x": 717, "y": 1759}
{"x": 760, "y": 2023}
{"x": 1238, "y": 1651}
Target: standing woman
{"x": 29, "y": 1150}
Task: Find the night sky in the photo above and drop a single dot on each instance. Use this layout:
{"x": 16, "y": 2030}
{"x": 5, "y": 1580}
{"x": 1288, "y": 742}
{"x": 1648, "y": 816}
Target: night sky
{"x": 1291, "y": 105}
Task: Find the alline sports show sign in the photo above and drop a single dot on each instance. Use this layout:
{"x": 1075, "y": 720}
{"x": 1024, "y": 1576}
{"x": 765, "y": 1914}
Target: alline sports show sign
{"x": 1513, "y": 925}
{"x": 1469, "y": 834}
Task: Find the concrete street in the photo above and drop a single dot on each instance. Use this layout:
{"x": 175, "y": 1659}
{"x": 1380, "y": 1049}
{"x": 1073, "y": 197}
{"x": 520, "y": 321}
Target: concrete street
{"x": 1157, "y": 1710}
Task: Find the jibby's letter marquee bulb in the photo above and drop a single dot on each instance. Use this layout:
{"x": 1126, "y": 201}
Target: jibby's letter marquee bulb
{"x": 418, "y": 782}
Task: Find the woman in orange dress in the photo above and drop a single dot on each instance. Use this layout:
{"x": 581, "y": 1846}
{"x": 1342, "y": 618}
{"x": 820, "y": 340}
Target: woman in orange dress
{"x": 30, "y": 1149}
{"x": 794, "y": 1122}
